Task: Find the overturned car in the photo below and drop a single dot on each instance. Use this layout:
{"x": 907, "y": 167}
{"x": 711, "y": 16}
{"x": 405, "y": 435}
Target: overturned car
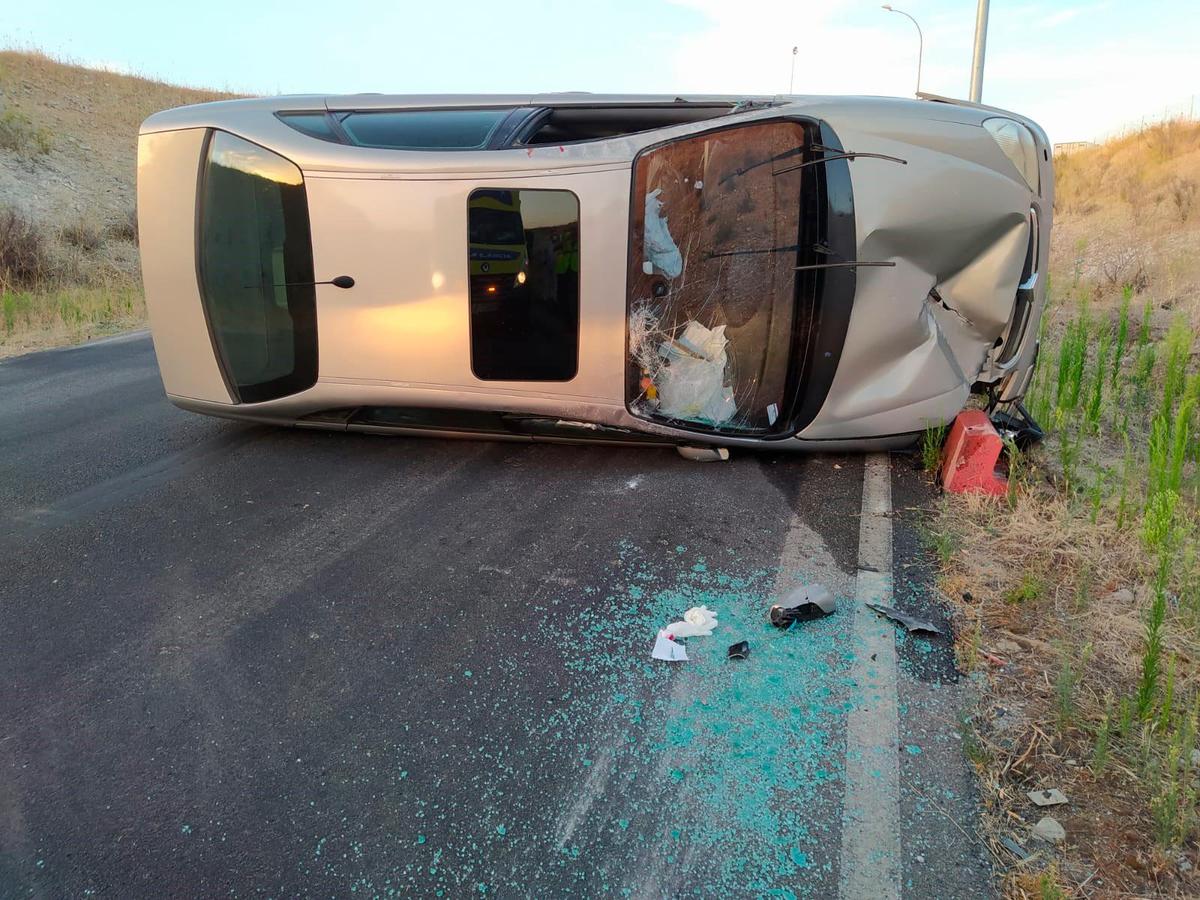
{"x": 793, "y": 272}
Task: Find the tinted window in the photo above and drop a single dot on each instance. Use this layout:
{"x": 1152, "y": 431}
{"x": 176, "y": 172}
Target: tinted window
{"x": 424, "y": 129}
{"x": 523, "y": 254}
{"x": 313, "y": 124}
{"x": 254, "y": 241}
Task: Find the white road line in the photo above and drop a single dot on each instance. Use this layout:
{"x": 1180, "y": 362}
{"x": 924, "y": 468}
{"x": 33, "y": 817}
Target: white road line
{"x": 870, "y": 861}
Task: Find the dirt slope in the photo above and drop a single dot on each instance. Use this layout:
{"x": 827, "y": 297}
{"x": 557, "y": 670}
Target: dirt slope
{"x": 88, "y": 120}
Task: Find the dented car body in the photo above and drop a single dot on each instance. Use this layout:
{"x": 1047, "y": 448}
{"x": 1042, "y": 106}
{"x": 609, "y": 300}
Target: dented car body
{"x": 792, "y": 272}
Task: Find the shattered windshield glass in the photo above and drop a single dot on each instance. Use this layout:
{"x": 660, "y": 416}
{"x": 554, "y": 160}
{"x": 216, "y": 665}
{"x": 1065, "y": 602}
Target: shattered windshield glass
{"x": 715, "y": 237}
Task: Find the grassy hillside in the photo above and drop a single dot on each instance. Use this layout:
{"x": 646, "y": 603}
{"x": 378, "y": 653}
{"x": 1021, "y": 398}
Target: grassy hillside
{"x": 1080, "y": 593}
{"x": 68, "y": 142}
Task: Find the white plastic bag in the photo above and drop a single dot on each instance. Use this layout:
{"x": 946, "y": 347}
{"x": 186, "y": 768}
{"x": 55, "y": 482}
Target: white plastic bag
{"x": 658, "y": 246}
{"x": 699, "y": 621}
{"x": 692, "y": 384}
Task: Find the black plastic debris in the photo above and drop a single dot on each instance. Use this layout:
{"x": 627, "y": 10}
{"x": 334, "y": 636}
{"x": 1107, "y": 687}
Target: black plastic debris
{"x": 805, "y": 603}
{"x": 910, "y": 623}
{"x": 740, "y": 650}
{"x": 1017, "y": 425}
{"x": 1014, "y": 848}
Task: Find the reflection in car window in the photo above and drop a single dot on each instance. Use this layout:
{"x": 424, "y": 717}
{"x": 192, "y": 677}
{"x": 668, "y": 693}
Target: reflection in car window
{"x": 523, "y": 258}
{"x": 424, "y": 129}
{"x": 496, "y": 226}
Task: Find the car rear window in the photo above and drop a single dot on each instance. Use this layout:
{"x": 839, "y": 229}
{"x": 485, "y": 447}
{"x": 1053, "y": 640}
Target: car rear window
{"x": 424, "y": 129}
{"x": 256, "y": 269}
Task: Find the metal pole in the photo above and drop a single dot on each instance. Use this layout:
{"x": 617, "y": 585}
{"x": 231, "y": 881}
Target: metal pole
{"x": 792, "y": 77}
{"x": 981, "y": 19}
{"x": 920, "y": 40}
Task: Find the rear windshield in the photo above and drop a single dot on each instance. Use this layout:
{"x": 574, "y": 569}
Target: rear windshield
{"x": 424, "y": 129}
{"x": 256, "y": 269}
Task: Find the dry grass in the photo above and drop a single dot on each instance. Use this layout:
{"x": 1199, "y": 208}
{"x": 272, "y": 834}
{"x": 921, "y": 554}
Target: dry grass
{"x": 55, "y": 317}
{"x": 25, "y": 254}
{"x": 1082, "y": 612}
{"x": 68, "y": 229}
{"x": 1125, "y": 214}
{"x": 1055, "y": 588}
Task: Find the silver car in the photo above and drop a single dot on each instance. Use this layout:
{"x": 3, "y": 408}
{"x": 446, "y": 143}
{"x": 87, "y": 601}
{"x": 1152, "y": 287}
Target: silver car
{"x": 792, "y": 272}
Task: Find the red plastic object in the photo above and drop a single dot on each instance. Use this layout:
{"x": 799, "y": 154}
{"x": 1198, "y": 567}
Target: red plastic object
{"x": 970, "y": 455}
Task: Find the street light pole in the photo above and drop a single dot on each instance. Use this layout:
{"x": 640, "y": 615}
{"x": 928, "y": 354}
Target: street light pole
{"x": 792, "y": 77}
{"x": 920, "y": 40}
{"x": 981, "y": 20}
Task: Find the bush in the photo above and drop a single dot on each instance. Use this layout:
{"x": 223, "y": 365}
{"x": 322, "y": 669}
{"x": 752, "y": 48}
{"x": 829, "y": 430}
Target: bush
{"x": 1183, "y": 193}
{"x": 126, "y": 227}
{"x": 82, "y": 234}
{"x": 17, "y": 133}
{"x": 24, "y": 251}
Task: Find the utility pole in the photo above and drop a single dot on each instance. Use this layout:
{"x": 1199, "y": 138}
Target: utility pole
{"x": 981, "y": 17}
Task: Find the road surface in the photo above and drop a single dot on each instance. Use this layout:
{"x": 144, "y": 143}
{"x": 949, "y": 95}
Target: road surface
{"x": 246, "y": 661}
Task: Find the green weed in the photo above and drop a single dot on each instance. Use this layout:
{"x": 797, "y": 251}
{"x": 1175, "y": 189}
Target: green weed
{"x": 1173, "y": 802}
{"x": 1143, "y": 369}
{"x": 1028, "y": 589}
{"x": 1122, "y": 332}
{"x": 1158, "y": 522}
{"x": 1070, "y": 670}
{"x": 1096, "y": 493}
{"x": 1167, "y": 700}
{"x": 932, "y": 439}
{"x": 1147, "y": 691}
{"x": 1048, "y": 886}
{"x": 1127, "y": 475}
{"x": 1178, "y": 347}
{"x": 1016, "y": 470}
{"x": 943, "y": 543}
{"x": 1096, "y": 399}
{"x": 1072, "y": 358}
{"x": 1125, "y": 716}
{"x": 973, "y": 748}
{"x": 1068, "y": 448}
{"x": 79, "y": 312}
{"x": 1144, "y": 330}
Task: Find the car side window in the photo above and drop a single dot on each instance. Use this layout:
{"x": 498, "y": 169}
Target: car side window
{"x": 523, "y": 258}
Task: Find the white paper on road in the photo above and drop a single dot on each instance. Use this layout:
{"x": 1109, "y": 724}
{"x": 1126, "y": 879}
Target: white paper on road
{"x": 667, "y": 649}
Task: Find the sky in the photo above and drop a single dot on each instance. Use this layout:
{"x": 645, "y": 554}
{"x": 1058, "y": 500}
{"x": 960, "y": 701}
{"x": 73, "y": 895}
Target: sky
{"x": 1081, "y": 69}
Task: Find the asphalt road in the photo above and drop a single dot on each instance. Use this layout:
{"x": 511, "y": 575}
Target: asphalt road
{"x": 245, "y": 661}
